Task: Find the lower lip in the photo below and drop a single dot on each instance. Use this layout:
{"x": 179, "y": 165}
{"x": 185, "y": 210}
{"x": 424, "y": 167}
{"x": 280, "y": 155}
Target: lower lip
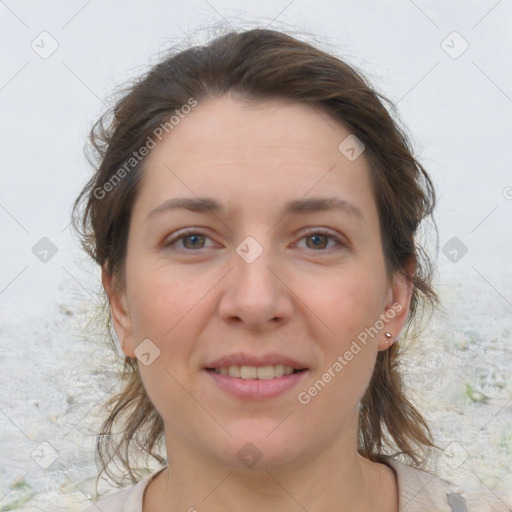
{"x": 257, "y": 388}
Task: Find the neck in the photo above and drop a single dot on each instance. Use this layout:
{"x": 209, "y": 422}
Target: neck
{"x": 334, "y": 478}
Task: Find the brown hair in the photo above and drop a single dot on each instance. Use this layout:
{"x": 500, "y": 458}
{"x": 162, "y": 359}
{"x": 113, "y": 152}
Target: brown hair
{"x": 260, "y": 65}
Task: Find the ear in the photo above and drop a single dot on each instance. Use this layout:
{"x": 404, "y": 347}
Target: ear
{"x": 396, "y": 309}
{"x": 120, "y": 313}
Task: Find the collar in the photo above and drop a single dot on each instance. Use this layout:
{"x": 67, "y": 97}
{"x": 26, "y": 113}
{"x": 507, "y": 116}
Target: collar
{"x": 421, "y": 491}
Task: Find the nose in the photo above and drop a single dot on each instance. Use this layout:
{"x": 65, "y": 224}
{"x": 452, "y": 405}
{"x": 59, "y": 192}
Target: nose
{"x": 256, "y": 293}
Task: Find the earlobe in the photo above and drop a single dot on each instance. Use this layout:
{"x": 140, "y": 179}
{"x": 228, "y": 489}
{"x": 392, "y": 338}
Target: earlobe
{"x": 121, "y": 319}
{"x": 396, "y": 309}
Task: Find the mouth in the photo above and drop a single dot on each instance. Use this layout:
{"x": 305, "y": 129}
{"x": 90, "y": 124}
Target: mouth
{"x": 256, "y": 383}
{"x": 256, "y": 372}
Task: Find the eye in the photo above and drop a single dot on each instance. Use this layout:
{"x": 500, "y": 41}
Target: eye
{"x": 192, "y": 240}
{"x": 320, "y": 240}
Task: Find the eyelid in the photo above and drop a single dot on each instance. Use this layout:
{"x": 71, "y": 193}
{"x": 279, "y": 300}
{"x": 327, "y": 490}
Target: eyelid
{"x": 180, "y": 234}
{"x": 340, "y": 240}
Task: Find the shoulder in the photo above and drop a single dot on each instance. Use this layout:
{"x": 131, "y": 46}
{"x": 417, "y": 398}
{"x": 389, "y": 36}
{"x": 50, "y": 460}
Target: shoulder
{"x": 124, "y": 500}
{"x": 421, "y": 491}
{"x": 116, "y": 502}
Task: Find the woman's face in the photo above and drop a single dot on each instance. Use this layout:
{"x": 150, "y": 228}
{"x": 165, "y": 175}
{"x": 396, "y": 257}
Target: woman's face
{"x": 287, "y": 269}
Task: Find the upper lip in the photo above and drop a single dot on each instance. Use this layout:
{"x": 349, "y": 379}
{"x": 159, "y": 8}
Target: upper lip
{"x": 241, "y": 359}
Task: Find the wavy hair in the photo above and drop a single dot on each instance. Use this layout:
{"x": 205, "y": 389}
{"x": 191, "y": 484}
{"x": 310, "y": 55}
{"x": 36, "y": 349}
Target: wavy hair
{"x": 261, "y": 64}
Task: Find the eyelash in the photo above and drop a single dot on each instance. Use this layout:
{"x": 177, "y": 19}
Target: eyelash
{"x": 171, "y": 244}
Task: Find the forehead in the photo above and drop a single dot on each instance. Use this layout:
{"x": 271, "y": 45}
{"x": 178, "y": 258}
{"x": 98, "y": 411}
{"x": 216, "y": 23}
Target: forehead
{"x": 242, "y": 127}
{"x": 254, "y": 152}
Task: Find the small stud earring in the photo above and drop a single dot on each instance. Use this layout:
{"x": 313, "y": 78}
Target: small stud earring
{"x": 388, "y": 336}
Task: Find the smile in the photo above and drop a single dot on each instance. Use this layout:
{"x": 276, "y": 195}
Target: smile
{"x": 255, "y": 372}
{"x": 246, "y": 383}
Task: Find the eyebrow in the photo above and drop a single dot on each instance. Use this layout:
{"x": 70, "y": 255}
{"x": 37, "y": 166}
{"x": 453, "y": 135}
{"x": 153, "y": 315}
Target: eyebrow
{"x": 299, "y": 206}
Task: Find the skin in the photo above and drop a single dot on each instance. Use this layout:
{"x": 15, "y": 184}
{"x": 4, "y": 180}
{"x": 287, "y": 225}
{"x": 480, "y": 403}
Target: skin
{"x": 303, "y": 300}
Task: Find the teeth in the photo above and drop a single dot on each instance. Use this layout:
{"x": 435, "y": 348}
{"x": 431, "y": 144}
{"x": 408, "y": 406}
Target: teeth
{"x": 253, "y": 372}
{"x": 248, "y": 372}
{"x": 233, "y": 371}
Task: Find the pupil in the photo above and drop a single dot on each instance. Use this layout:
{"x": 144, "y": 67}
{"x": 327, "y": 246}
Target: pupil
{"x": 193, "y": 239}
{"x": 317, "y": 239}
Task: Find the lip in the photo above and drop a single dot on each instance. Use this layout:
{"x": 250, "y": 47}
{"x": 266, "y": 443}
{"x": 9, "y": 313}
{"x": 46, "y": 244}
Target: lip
{"x": 256, "y": 389}
{"x": 244, "y": 359}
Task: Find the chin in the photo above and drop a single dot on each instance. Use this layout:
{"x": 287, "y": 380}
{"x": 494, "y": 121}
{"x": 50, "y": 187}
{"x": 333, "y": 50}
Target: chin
{"x": 258, "y": 449}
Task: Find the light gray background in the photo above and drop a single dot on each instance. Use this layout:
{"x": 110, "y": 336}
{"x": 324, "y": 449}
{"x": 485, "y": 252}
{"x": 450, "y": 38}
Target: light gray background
{"x": 457, "y": 110}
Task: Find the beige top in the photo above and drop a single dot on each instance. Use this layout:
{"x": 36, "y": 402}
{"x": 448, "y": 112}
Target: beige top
{"x": 418, "y": 491}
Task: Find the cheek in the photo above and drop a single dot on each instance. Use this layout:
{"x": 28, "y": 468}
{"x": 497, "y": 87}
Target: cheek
{"x": 161, "y": 298}
{"x": 159, "y": 314}
{"x": 347, "y": 307}
{"x": 163, "y": 308}
{"x": 347, "y": 301}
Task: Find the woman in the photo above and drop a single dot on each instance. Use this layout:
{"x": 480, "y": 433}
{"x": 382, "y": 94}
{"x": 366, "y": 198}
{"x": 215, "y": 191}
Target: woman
{"x": 254, "y": 214}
